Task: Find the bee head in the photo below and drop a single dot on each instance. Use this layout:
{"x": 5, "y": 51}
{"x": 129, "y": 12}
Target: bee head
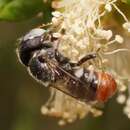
{"x": 31, "y": 42}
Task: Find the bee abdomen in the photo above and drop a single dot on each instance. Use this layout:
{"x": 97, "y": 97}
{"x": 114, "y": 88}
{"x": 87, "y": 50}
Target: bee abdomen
{"x": 106, "y": 86}
{"x": 84, "y": 86}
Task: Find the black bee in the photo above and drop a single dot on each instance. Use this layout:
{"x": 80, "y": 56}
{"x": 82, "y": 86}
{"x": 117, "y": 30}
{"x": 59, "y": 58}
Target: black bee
{"x": 38, "y": 51}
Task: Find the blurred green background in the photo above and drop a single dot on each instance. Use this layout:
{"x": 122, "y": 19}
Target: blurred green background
{"x": 21, "y": 97}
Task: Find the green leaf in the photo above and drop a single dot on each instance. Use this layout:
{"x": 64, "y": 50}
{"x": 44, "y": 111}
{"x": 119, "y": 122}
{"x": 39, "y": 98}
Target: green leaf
{"x": 126, "y": 1}
{"x": 22, "y": 9}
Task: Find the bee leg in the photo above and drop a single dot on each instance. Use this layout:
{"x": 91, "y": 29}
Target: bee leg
{"x": 84, "y": 59}
{"x": 60, "y": 58}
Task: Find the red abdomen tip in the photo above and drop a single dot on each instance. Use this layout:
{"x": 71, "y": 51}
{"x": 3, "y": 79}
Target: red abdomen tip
{"x": 106, "y": 87}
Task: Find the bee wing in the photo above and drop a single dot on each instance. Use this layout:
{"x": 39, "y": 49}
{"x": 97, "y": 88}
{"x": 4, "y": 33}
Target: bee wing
{"x": 57, "y": 69}
{"x": 71, "y": 85}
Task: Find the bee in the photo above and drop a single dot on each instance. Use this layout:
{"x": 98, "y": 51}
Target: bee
{"x": 38, "y": 52}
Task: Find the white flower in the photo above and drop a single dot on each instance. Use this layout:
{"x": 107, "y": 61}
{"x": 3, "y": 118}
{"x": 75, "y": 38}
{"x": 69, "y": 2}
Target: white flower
{"x": 119, "y": 39}
{"x": 84, "y": 33}
{"x": 128, "y": 102}
{"x": 121, "y": 98}
{"x": 56, "y": 14}
{"x": 127, "y": 26}
{"x": 108, "y": 7}
{"x": 56, "y": 35}
{"x": 105, "y": 34}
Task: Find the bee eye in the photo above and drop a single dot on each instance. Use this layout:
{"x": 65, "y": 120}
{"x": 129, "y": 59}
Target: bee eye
{"x": 27, "y": 47}
{"x": 34, "y": 33}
